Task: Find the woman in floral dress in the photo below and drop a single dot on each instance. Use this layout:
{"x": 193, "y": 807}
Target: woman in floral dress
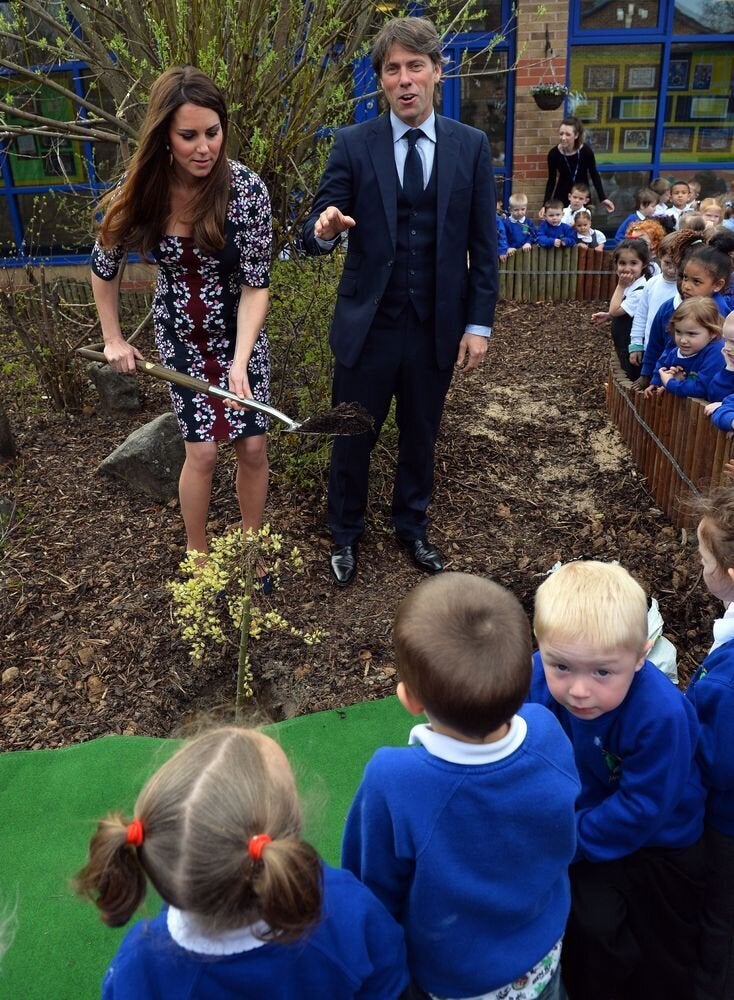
{"x": 206, "y": 221}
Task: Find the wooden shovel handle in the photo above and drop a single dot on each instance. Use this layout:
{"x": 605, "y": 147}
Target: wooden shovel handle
{"x": 196, "y": 385}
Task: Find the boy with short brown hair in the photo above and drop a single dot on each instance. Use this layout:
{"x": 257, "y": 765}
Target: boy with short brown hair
{"x": 466, "y": 834}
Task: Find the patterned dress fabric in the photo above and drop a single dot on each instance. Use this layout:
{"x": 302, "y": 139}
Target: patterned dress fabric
{"x": 195, "y": 310}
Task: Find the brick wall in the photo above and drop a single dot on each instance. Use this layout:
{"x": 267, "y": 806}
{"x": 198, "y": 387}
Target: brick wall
{"x": 535, "y": 131}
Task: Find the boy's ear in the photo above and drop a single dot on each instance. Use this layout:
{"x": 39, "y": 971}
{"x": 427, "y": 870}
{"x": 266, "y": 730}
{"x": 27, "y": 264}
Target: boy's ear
{"x": 645, "y": 650}
{"x": 408, "y": 701}
{"x": 730, "y": 574}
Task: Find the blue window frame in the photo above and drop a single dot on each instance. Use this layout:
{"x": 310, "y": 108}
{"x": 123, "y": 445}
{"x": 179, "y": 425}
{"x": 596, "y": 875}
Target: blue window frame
{"x": 37, "y": 227}
{"x": 654, "y": 93}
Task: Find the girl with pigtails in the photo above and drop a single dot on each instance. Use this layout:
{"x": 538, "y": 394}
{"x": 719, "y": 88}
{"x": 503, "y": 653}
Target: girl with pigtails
{"x": 250, "y": 910}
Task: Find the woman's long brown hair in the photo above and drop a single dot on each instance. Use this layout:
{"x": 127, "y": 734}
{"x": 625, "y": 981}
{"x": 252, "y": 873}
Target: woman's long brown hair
{"x": 136, "y": 210}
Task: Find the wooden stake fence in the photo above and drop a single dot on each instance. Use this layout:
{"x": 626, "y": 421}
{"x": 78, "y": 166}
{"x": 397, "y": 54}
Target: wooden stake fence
{"x": 557, "y": 275}
{"x": 673, "y": 444}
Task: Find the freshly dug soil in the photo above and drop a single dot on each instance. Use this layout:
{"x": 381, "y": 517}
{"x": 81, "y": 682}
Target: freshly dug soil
{"x": 529, "y": 471}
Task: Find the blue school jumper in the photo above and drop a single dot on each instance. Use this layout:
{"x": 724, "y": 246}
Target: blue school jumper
{"x": 356, "y": 950}
{"x": 547, "y": 234}
{"x": 640, "y": 783}
{"x": 621, "y": 233}
{"x": 723, "y": 418}
{"x": 501, "y": 236}
{"x": 471, "y": 858}
{"x": 721, "y": 385}
{"x": 660, "y": 338}
{"x": 520, "y": 233}
{"x": 700, "y": 370}
{"x": 711, "y": 691}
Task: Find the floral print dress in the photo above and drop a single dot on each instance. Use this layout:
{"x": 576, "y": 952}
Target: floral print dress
{"x": 195, "y": 310}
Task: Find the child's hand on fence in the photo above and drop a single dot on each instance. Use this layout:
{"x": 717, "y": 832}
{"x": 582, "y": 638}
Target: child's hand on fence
{"x": 601, "y": 317}
{"x": 557, "y": 243}
{"x": 511, "y": 251}
{"x": 635, "y": 357}
{"x": 674, "y": 373}
{"x": 503, "y": 256}
{"x": 599, "y": 248}
{"x": 653, "y": 390}
{"x": 527, "y": 247}
{"x": 711, "y": 408}
{"x": 641, "y": 383}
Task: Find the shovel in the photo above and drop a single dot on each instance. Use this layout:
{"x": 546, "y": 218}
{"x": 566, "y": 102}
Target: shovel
{"x": 346, "y": 418}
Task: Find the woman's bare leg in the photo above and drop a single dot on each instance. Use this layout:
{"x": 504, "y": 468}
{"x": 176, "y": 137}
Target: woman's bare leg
{"x": 194, "y": 491}
{"x": 252, "y": 478}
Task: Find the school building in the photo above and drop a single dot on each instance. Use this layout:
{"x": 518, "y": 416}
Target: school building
{"x": 653, "y": 80}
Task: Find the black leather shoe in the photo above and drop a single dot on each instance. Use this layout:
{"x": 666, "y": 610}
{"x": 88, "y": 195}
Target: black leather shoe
{"x": 425, "y": 556}
{"x": 343, "y": 564}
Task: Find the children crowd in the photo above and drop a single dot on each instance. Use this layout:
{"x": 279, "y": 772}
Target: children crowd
{"x": 561, "y": 824}
{"x": 661, "y": 208}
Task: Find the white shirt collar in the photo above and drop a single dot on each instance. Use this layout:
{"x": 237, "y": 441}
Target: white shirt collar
{"x": 186, "y": 931}
{"x": 724, "y": 628}
{"x": 399, "y": 128}
{"x": 457, "y": 752}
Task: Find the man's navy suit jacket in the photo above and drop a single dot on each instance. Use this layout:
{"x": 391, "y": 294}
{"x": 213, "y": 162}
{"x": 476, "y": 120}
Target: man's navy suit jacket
{"x": 361, "y": 180}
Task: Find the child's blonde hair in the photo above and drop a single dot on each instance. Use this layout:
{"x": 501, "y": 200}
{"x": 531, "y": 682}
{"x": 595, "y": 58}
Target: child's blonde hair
{"x": 708, "y": 203}
{"x": 716, "y": 527}
{"x": 593, "y": 602}
{"x": 703, "y": 310}
{"x": 518, "y": 200}
{"x": 198, "y": 813}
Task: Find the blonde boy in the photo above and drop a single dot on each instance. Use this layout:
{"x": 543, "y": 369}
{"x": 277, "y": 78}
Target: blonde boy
{"x": 521, "y": 232}
{"x": 466, "y": 834}
{"x": 636, "y": 880}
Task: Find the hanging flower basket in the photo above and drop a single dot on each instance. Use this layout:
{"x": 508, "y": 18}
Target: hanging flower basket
{"x": 549, "y": 96}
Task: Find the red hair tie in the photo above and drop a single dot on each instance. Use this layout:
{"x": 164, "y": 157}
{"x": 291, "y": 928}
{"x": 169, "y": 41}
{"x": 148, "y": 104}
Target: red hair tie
{"x": 134, "y": 835}
{"x": 257, "y": 844}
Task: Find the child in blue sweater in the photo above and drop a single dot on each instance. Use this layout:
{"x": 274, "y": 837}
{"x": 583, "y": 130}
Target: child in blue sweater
{"x": 501, "y": 237}
{"x": 638, "y": 872}
{"x": 711, "y": 691}
{"x": 250, "y": 909}
{"x": 466, "y": 834}
{"x": 521, "y": 232}
{"x": 688, "y": 368}
{"x": 551, "y": 231}
{"x": 646, "y": 202}
{"x": 721, "y": 387}
{"x": 702, "y": 270}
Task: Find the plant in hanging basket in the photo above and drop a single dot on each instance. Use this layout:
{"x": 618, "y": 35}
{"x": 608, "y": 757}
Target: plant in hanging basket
{"x": 549, "y": 96}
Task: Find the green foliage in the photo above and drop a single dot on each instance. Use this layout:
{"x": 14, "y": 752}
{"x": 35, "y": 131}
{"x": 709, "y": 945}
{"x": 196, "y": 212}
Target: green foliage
{"x": 285, "y": 67}
{"x": 303, "y": 292}
{"x": 47, "y": 329}
{"x": 218, "y": 597}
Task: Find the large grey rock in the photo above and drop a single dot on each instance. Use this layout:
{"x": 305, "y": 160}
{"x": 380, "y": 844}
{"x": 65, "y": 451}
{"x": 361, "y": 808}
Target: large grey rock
{"x": 117, "y": 393}
{"x": 150, "y": 459}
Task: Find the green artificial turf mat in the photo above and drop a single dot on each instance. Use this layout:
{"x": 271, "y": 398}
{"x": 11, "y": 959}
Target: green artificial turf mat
{"x": 52, "y": 799}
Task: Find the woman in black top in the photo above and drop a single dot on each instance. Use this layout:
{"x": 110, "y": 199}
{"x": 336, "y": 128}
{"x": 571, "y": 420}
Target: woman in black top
{"x": 571, "y": 162}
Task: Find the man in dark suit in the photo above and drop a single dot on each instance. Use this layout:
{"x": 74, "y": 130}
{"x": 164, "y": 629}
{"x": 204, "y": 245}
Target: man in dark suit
{"x": 418, "y": 292}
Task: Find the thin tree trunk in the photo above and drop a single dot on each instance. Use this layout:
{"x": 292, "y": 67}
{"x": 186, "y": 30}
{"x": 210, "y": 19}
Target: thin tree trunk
{"x": 8, "y": 448}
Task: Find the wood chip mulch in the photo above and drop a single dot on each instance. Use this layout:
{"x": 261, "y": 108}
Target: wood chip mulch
{"x": 529, "y": 471}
